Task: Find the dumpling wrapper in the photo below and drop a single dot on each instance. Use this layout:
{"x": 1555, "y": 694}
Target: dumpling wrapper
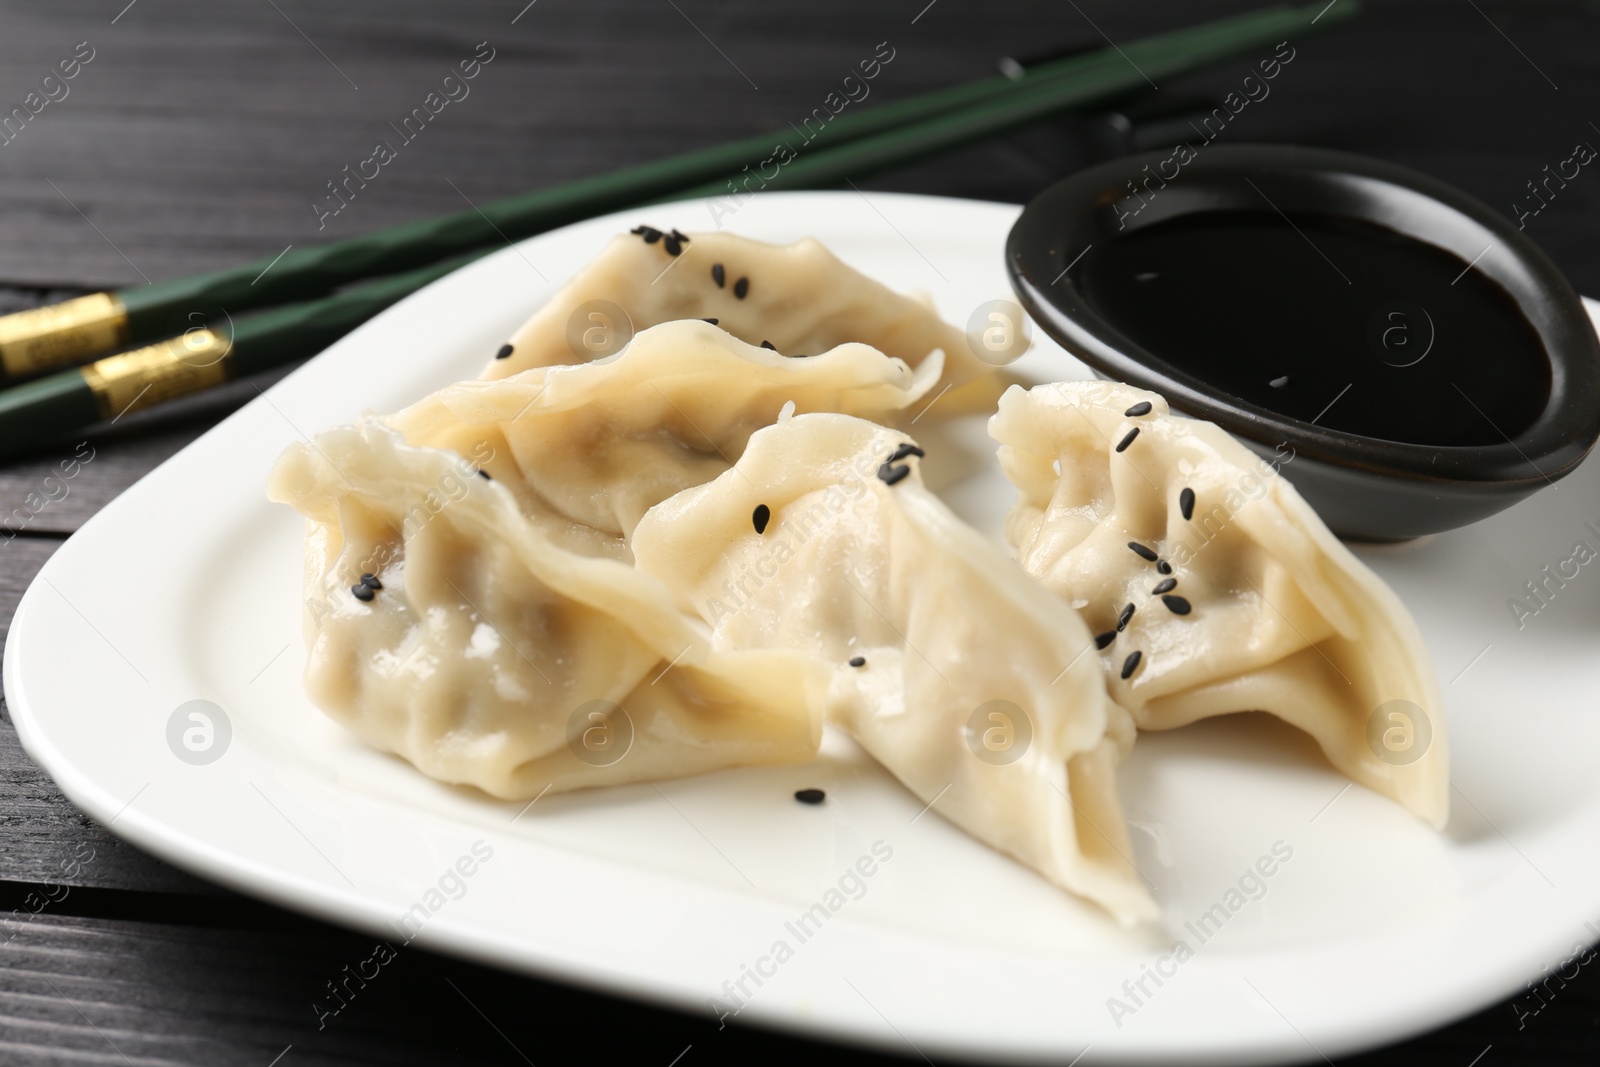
{"x": 1283, "y": 619}
{"x": 849, "y": 565}
{"x": 801, "y": 298}
{"x": 588, "y": 449}
{"x": 486, "y": 639}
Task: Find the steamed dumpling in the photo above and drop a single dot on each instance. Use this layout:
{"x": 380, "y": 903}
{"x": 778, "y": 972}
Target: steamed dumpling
{"x": 588, "y": 449}
{"x": 972, "y": 685}
{"x": 487, "y": 656}
{"x": 800, "y": 298}
{"x": 1249, "y": 602}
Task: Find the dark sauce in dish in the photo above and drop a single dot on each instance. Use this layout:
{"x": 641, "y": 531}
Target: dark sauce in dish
{"x": 1344, "y": 323}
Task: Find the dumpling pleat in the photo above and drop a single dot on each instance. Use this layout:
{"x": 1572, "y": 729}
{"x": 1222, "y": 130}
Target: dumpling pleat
{"x": 973, "y": 686}
{"x": 1272, "y": 612}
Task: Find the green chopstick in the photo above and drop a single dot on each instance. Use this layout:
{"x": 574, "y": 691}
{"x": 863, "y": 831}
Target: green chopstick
{"x": 199, "y": 359}
{"x": 1140, "y": 63}
{"x": 44, "y": 338}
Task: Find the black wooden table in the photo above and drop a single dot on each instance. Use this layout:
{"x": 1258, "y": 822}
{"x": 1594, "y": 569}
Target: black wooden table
{"x": 199, "y": 134}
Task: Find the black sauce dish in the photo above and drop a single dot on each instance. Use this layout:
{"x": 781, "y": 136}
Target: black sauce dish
{"x": 1408, "y": 358}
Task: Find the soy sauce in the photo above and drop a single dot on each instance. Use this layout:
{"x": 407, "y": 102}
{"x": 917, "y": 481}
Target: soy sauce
{"x": 1354, "y": 326}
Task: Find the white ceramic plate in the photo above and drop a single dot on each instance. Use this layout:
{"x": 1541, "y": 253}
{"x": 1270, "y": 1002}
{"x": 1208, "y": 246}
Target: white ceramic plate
{"x": 187, "y": 587}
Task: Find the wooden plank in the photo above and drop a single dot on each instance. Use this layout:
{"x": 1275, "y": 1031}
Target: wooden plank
{"x": 239, "y": 121}
{"x": 92, "y": 988}
{"x": 43, "y": 838}
{"x": 242, "y": 122}
{"x": 185, "y": 115}
{"x": 165, "y": 994}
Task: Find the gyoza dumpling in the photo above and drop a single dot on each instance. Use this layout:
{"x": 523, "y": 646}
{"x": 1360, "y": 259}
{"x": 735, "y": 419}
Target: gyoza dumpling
{"x": 1241, "y": 598}
{"x": 800, "y": 298}
{"x": 486, "y": 656}
{"x": 588, "y": 449}
{"x": 972, "y": 685}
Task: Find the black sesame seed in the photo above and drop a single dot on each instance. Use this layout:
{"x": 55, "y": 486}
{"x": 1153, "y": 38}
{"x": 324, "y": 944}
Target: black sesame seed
{"x": 1143, "y": 551}
{"x": 371, "y": 581}
{"x": 681, "y": 236}
{"x": 711, "y": 321}
{"x": 672, "y": 245}
{"x": 719, "y": 275}
{"x": 1143, "y": 407}
{"x": 1102, "y": 640}
{"x": 361, "y": 592}
{"x": 1163, "y": 567}
{"x": 741, "y": 288}
{"x": 1176, "y": 604}
{"x": 1279, "y": 383}
{"x": 769, "y": 346}
{"x": 650, "y": 234}
{"x": 892, "y": 474}
{"x": 904, "y": 450}
{"x": 761, "y": 517}
{"x": 484, "y": 475}
{"x": 1122, "y": 445}
{"x": 1186, "y": 503}
{"x": 1131, "y": 664}
{"x": 1165, "y": 585}
{"x": 505, "y": 352}
{"x": 858, "y": 661}
{"x": 1122, "y": 619}
{"x": 810, "y": 796}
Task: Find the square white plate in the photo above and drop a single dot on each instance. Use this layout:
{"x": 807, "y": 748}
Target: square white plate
{"x": 188, "y": 587}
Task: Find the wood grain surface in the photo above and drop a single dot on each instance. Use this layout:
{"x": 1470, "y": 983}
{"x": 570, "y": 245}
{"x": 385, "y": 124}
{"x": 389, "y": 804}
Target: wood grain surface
{"x": 202, "y": 134}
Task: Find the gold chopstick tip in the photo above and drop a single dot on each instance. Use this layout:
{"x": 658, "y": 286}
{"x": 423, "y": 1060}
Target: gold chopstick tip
{"x": 159, "y": 372}
{"x": 42, "y": 338}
